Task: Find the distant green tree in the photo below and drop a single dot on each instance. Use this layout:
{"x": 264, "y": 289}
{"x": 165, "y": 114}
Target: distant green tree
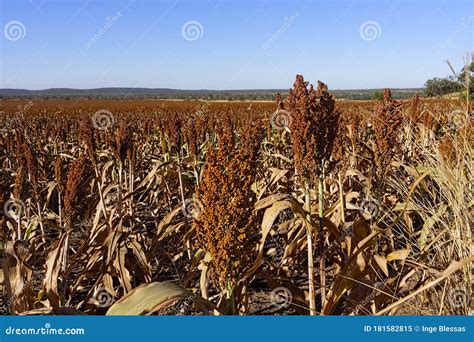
{"x": 441, "y": 86}
{"x": 377, "y": 95}
{"x": 457, "y": 83}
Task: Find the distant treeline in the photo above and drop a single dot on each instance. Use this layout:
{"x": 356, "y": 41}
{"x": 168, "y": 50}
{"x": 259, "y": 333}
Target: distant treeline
{"x": 177, "y": 94}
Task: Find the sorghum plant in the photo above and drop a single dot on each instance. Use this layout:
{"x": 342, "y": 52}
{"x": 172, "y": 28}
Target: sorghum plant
{"x": 314, "y": 127}
{"x": 226, "y": 227}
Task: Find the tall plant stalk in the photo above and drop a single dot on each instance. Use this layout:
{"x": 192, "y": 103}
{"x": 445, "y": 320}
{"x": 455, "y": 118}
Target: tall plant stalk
{"x": 322, "y": 260}
{"x": 309, "y": 237}
{"x": 183, "y": 201}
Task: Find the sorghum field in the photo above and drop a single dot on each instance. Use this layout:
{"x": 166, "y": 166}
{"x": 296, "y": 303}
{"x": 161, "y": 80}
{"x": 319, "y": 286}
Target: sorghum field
{"x": 305, "y": 205}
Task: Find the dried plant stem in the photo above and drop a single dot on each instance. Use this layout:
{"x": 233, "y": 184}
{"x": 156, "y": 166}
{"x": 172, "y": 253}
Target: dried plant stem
{"x": 40, "y": 218}
{"x": 204, "y": 280}
{"x": 64, "y": 268}
{"x": 245, "y": 300}
{"x": 101, "y": 197}
{"x": 183, "y": 201}
{"x": 230, "y": 308}
{"x": 60, "y": 209}
{"x": 309, "y": 236}
{"x": 18, "y": 222}
{"x": 180, "y": 178}
{"x": 341, "y": 198}
{"x": 120, "y": 201}
{"x": 130, "y": 188}
{"x": 322, "y": 260}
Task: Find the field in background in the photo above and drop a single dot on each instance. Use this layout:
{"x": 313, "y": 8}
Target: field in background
{"x": 180, "y": 94}
{"x": 304, "y": 206}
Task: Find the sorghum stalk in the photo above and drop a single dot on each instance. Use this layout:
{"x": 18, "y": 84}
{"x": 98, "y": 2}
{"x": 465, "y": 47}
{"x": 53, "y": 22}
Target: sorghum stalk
{"x": 183, "y": 201}
{"x": 309, "y": 239}
{"x": 322, "y": 260}
{"x": 342, "y": 199}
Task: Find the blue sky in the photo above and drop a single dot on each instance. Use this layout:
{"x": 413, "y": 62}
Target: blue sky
{"x": 220, "y": 44}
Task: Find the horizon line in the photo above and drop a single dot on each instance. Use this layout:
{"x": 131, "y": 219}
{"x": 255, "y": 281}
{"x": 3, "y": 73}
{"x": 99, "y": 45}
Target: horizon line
{"x": 202, "y": 89}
